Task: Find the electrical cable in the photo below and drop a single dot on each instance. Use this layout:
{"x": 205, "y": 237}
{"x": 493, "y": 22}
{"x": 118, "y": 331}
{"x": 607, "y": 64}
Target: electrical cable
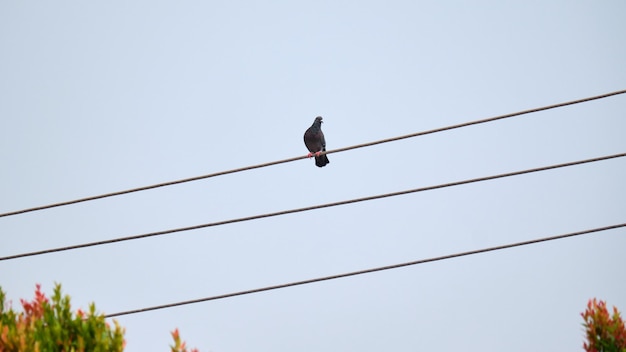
{"x": 327, "y": 205}
{"x": 366, "y": 271}
{"x": 196, "y": 178}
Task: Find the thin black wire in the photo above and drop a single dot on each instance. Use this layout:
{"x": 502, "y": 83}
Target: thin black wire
{"x": 196, "y": 178}
{"x": 367, "y": 271}
{"x": 327, "y": 205}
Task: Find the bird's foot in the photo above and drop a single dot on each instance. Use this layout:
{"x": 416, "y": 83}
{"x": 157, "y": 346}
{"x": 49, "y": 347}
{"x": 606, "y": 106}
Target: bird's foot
{"x": 318, "y": 153}
{"x": 309, "y": 155}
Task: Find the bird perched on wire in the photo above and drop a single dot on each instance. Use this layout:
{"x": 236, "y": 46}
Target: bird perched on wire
{"x": 315, "y": 142}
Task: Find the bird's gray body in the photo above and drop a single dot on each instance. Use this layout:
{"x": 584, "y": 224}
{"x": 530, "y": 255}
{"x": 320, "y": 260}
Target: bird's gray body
{"x": 315, "y": 141}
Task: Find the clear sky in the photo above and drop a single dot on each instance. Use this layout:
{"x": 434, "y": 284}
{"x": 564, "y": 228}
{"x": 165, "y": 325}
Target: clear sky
{"x": 98, "y": 97}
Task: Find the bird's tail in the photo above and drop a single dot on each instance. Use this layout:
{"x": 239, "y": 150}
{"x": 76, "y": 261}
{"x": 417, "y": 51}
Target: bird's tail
{"x": 321, "y": 161}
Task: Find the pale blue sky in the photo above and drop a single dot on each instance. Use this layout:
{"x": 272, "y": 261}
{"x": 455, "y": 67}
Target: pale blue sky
{"x": 98, "y": 97}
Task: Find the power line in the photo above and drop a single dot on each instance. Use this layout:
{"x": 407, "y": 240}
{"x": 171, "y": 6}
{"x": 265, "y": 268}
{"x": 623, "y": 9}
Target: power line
{"x": 320, "y": 206}
{"x": 367, "y": 271}
{"x": 196, "y": 178}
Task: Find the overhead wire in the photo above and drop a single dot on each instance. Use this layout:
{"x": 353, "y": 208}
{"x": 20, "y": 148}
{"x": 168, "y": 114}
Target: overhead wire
{"x": 314, "y": 207}
{"x": 367, "y": 271}
{"x": 257, "y": 166}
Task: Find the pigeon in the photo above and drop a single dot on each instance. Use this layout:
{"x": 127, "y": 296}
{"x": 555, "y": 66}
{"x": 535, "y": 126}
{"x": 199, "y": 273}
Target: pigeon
{"x": 315, "y": 142}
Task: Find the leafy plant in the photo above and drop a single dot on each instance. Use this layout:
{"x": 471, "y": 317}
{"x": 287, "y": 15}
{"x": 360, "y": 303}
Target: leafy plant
{"x": 47, "y": 325}
{"x": 50, "y": 325}
{"x": 605, "y": 332}
{"x": 179, "y": 345}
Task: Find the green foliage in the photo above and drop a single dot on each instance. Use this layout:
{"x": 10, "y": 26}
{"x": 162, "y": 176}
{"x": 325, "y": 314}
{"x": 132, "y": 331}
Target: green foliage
{"x": 50, "y": 325}
{"x": 179, "y": 344}
{"x": 605, "y": 332}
